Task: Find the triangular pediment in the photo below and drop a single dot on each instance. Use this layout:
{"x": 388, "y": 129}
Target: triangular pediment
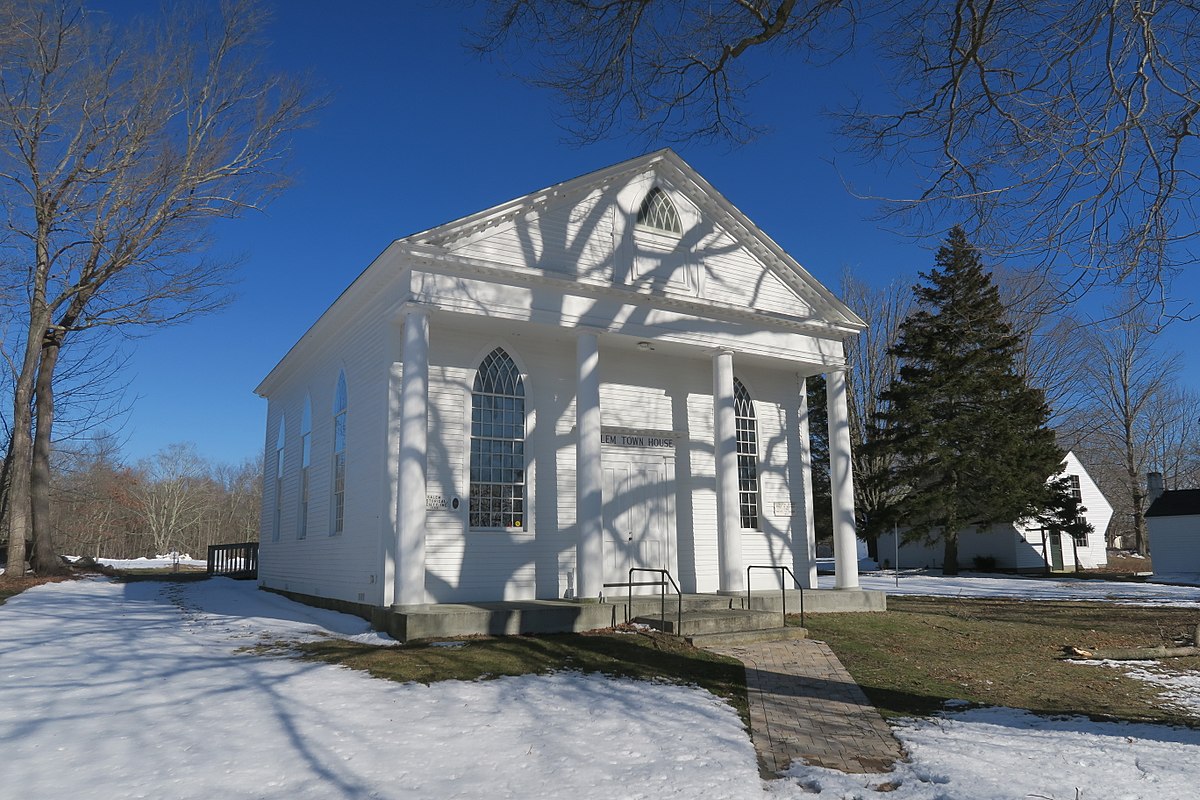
{"x": 587, "y": 230}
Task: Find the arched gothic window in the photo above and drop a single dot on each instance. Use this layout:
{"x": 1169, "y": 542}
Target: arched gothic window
{"x": 659, "y": 212}
{"x": 277, "y": 517}
{"x": 747, "y": 455}
{"x": 338, "y": 498}
{"x": 497, "y": 494}
{"x": 305, "y": 464}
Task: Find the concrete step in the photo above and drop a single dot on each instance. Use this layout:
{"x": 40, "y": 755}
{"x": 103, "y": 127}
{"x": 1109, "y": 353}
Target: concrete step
{"x": 747, "y": 637}
{"x": 644, "y": 605}
{"x": 695, "y": 623}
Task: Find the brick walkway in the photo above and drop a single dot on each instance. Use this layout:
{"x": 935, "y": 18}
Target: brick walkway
{"x": 804, "y": 705}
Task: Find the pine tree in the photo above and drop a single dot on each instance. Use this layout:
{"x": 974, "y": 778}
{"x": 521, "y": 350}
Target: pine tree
{"x": 968, "y": 435}
{"x": 818, "y": 437}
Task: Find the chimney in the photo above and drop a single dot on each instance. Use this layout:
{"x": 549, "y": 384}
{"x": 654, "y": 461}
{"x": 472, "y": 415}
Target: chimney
{"x": 1154, "y": 486}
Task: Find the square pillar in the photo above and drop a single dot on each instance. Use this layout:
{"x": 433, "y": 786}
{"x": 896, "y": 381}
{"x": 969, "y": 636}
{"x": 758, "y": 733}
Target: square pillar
{"x": 841, "y": 482}
{"x": 804, "y": 542}
{"x": 589, "y": 486}
{"x": 408, "y": 586}
{"x": 729, "y": 521}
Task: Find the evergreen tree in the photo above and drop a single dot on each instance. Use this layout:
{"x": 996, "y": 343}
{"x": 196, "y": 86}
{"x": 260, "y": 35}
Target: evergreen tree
{"x": 968, "y": 435}
{"x": 818, "y": 437}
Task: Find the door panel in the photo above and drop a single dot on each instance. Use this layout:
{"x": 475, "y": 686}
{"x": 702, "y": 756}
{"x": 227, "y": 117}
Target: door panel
{"x": 638, "y": 519}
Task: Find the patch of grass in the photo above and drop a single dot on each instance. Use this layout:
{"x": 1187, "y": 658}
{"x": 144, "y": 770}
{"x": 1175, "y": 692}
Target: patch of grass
{"x": 924, "y": 651}
{"x": 644, "y": 656}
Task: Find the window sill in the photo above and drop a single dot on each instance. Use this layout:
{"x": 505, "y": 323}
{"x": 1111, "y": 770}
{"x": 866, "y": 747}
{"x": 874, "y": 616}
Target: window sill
{"x": 499, "y": 530}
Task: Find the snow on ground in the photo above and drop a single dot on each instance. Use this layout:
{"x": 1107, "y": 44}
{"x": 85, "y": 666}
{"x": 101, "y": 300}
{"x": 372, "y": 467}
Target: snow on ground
{"x": 144, "y": 689}
{"x": 1180, "y": 687}
{"x": 922, "y": 582}
{"x": 158, "y": 562}
{"x": 1008, "y": 753}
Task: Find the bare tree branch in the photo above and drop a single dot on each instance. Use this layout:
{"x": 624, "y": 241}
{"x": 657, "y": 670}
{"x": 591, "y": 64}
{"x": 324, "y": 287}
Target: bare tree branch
{"x": 1064, "y": 132}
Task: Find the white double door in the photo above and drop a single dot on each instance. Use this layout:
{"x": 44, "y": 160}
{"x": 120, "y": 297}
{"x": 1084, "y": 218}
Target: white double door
{"x": 639, "y": 517}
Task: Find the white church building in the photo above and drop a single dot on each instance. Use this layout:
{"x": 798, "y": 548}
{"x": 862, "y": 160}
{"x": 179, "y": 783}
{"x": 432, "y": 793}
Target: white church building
{"x": 527, "y": 402}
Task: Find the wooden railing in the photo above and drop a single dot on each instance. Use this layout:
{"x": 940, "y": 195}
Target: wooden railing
{"x": 233, "y": 560}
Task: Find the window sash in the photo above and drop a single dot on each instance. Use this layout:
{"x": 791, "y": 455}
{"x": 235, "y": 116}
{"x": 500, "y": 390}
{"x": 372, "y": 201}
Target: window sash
{"x": 746, "y": 431}
{"x": 496, "y": 499}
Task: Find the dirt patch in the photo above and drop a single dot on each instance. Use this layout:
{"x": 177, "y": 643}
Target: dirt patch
{"x": 1121, "y": 561}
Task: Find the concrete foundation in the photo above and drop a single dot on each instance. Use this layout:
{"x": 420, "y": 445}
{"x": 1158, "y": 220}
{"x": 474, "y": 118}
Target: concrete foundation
{"x": 444, "y": 620}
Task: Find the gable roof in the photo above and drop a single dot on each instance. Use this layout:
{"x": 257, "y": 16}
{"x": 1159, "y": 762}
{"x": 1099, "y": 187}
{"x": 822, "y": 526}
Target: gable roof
{"x": 684, "y": 179}
{"x": 832, "y": 318}
{"x": 1177, "y": 503}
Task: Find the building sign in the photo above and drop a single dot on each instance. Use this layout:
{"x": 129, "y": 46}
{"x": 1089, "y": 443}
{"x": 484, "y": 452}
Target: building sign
{"x": 783, "y": 509}
{"x": 437, "y": 502}
{"x": 660, "y": 440}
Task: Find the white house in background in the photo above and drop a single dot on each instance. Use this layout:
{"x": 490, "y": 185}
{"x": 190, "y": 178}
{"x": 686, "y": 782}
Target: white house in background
{"x": 1024, "y": 547}
{"x": 1173, "y": 525}
{"x": 526, "y": 402}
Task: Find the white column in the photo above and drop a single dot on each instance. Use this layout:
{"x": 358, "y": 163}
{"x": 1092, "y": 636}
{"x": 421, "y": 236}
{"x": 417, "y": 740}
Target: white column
{"x": 589, "y": 497}
{"x": 729, "y": 527}
{"x": 841, "y": 480}
{"x": 409, "y": 581}
{"x": 804, "y": 543}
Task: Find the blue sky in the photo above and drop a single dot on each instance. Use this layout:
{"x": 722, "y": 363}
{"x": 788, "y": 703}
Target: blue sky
{"x": 419, "y": 131}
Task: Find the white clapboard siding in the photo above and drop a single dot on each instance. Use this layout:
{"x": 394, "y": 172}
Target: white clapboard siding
{"x": 770, "y": 543}
{"x": 1175, "y": 544}
{"x": 1099, "y": 513}
{"x": 576, "y": 242}
{"x": 349, "y": 563}
{"x": 734, "y": 275}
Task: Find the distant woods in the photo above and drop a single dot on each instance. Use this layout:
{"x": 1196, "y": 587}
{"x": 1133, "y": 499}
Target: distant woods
{"x": 174, "y": 501}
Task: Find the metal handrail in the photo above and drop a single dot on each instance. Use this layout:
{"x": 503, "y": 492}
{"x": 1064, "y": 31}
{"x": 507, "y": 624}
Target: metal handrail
{"x": 782, "y": 589}
{"x": 661, "y": 583}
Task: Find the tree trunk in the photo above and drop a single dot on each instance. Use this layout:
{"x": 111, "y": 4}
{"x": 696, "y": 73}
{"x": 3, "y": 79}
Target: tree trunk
{"x": 18, "y": 488}
{"x": 950, "y": 553}
{"x": 950, "y": 533}
{"x": 21, "y": 450}
{"x": 45, "y": 559}
{"x": 1137, "y": 492}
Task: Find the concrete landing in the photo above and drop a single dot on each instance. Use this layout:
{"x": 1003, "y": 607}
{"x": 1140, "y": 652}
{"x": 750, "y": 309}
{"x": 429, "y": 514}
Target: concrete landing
{"x": 805, "y": 706}
{"x": 817, "y": 601}
{"x": 441, "y": 620}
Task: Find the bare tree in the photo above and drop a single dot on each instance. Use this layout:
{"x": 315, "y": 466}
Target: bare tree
{"x": 1053, "y": 350}
{"x": 1128, "y": 378}
{"x": 872, "y": 371}
{"x": 1066, "y": 131}
{"x": 1173, "y": 429}
{"x": 118, "y": 148}
{"x": 93, "y": 509}
{"x": 171, "y": 495}
{"x": 241, "y": 500}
